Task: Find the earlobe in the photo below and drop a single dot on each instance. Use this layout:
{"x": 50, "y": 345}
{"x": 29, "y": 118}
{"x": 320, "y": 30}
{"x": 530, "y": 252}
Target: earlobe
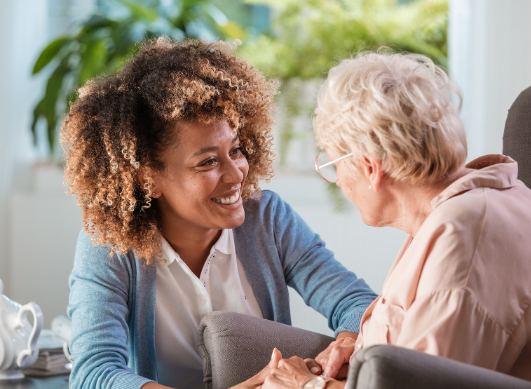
{"x": 372, "y": 169}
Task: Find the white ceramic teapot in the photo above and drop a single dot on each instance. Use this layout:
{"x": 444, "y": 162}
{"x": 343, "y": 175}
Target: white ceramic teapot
{"x": 18, "y": 339}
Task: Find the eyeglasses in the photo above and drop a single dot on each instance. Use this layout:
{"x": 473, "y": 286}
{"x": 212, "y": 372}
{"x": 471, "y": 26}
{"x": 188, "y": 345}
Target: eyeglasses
{"x": 326, "y": 168}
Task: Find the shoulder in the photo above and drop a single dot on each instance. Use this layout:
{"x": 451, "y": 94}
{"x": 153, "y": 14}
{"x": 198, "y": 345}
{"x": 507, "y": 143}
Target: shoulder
{"x": 96, "y": 261}
{"x": 449, "y": 238}
{"x": 464, "y": 211}
{"x": 266, "y": 206}
{"x": 263, "y": 201}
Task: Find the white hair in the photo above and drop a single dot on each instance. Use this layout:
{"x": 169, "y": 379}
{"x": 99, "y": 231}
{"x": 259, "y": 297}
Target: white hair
{"x": 396, "y": 108}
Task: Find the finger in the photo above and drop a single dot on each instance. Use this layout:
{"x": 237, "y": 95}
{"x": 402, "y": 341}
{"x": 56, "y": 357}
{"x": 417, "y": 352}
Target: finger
{"x": 323, "y": 356}
{"x": 338, "y": 357}
{"x": 276, "y": 357}
{"x": 273, "y": 363}
{"x": 294, "y": 364}
{"x": 313, "y": 366}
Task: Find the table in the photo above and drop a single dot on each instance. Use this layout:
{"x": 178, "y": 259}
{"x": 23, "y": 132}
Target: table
{"x": 57, "y": 382}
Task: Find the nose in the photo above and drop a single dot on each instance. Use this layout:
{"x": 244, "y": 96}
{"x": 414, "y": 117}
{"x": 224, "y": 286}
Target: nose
{"x": 233, "y": 172}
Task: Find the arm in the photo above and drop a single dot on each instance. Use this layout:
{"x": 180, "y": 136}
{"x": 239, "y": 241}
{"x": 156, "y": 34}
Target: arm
{"x": 447, "y": 323}
{"x": 98, "y": 306}
{"x": 311, "y": 269}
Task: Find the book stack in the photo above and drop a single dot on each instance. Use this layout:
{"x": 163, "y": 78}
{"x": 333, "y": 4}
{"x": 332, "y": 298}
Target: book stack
{"x": 52, "y": 360}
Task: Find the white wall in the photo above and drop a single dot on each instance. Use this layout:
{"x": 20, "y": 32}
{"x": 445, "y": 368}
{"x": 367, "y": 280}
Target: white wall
{"x": 23, "y": 34}
{"x": 38, "y": 223}
{"x": 490, "y": 58}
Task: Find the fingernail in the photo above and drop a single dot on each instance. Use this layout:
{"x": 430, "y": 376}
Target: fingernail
{"x": 314, "y": 370}
{"x": 272, "y": 355}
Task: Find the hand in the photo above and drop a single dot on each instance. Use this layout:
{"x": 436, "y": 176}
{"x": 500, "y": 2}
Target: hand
{"x": 258, "y": 380}
{"x": 334, "y": 361}
{"x": 290, "y": 374}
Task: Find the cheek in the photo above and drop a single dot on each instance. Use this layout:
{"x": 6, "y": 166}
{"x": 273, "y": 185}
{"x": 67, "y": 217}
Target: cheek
{"x": 194, "y": 188}
{"x": 244, "y": 167}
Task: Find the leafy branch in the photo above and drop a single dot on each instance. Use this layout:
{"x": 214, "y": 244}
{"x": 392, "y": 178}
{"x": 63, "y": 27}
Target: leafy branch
{"x": 102, "y": 43}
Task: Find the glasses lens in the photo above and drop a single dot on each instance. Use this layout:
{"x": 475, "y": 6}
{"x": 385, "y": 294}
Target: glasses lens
{"x": 329, "y": 171}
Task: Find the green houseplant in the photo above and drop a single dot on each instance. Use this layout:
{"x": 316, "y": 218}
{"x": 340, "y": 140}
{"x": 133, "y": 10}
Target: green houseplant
{"x": 308, "y": 37}
{"x": 102, "y": 42}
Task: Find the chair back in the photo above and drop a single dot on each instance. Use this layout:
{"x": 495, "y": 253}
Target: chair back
{"x": 517, "y": 135}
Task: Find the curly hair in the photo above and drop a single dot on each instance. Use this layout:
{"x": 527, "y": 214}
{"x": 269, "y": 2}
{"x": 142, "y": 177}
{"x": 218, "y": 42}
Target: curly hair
{"x": 122, "y": 122}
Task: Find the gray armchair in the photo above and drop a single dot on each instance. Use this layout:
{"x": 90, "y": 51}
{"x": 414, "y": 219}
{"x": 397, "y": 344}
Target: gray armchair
{"x": 234, "y": 347}
{"x": 517, "y": 135}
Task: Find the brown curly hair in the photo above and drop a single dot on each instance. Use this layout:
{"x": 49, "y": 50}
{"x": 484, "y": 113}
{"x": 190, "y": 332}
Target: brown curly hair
{"x": 122, "y": 122}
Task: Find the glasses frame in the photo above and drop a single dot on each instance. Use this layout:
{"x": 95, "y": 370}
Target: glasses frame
{"x": 327, "y": 164}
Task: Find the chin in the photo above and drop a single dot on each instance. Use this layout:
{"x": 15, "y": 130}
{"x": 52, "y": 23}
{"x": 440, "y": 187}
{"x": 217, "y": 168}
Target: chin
{"x": 369, "y": 222}
{"x": 234, "y": 221}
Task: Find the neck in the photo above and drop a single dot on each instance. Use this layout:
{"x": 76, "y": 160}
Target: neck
{"x": 192, "y": 244}
{"x": 412, "y": 203}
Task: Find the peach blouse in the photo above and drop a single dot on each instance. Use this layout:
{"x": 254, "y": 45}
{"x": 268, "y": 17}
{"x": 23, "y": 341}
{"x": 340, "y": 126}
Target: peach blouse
{"x": 461, "y": 288}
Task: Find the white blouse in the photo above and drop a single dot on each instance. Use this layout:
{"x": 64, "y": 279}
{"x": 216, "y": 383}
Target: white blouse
{"x": 182, "y": 300}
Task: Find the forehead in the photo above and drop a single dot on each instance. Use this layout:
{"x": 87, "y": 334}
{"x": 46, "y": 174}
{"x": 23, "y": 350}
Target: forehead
{"x": 190, "y": 132}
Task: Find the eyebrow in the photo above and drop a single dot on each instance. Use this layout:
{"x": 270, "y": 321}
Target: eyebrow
{"x": 210, "y": 148}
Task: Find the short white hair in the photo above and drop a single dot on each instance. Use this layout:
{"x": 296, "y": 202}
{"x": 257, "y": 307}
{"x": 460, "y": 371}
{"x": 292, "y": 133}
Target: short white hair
{"x": 396, "y": 108}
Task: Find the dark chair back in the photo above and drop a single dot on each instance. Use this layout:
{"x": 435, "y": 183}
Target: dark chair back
{"x": 517, "y": 135}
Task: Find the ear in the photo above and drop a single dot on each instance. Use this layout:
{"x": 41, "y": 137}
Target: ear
{"x": 141, "y": 177}
{"x": 372, "y": 170}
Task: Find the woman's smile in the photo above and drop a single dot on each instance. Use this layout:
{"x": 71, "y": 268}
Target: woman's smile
{"x": 229, "y": 200}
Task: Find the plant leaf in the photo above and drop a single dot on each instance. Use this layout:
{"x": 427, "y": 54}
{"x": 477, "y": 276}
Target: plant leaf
{"x": 47, "y": 107}
{"x": 232, "y": 30}
{"x": 139, "y": 11}
{"x": 95, "y": 22}
{"x": 92, "y": 61}
{"x": 49, "y": 53}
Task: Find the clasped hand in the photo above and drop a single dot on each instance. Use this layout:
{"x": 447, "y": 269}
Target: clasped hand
{"x": 292, "y": 373}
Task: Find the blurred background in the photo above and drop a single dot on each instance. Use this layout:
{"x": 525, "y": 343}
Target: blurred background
{"x": 50, "y": 47}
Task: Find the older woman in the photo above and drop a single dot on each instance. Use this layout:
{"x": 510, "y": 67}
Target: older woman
{"x": 460, "y": 285}
{"x": 165, "y": 159}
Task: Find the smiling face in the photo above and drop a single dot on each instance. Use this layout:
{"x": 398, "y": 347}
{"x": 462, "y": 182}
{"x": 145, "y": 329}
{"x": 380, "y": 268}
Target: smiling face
{"x": 200, "y": 188}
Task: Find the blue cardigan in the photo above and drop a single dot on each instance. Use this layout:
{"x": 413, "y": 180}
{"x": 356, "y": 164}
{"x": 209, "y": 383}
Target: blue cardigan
{"x": 112, "y": 299}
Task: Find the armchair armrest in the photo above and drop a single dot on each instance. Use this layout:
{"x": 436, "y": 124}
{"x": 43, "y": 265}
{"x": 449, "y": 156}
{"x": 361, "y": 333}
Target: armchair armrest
{"x": 392, "y": 367}
{"x": 234, "y": 347}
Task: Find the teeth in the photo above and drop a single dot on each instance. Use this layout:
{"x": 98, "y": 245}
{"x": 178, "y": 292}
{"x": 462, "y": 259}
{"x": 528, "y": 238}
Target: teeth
{"x": 228, "y": 200}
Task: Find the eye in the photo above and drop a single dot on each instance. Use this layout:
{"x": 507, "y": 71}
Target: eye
{"x": 208, "y": 162}
{"x": 237, "y": 151}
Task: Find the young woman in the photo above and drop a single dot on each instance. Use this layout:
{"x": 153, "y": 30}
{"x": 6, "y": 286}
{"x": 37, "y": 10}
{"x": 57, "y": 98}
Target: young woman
{"x": 165, "y": 159}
